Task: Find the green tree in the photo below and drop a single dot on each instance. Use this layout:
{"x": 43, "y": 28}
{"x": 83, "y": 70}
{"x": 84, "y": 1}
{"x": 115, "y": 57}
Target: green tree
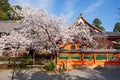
{"x": 117, "y": 27}
{"x": 3, "y": 15}
{"x": 97, "y": 23}
{"x": 4, "y": 10}
{"x": 7, "y": 12}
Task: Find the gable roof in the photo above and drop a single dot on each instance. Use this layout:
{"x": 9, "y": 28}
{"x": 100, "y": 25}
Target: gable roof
{"x": 81, "y": 19}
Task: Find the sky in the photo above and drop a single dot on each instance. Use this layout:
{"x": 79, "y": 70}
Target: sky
{"x": 105, "y": 10}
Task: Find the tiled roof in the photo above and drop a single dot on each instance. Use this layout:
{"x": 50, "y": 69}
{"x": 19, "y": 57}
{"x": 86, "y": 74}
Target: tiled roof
{"x": 110, "y": 34}
{"x": 6, "y": 26}
{"x": 113, "y": 33}
{"x": 76, "y": 22}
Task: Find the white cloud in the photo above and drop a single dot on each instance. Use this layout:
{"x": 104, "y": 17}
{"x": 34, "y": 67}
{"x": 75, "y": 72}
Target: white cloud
{"x": 93, "y": 6}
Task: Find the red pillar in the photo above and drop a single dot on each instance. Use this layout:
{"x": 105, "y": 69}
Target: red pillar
{"x": 94, "y": 58}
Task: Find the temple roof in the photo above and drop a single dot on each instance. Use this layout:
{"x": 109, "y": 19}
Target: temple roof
{"x": 113, "y": 34}
{"x": 110, "y": 34}
{"x": 94, "y": 30}
{"x": 81, "y": 19}
{"x": 6, "y": 26}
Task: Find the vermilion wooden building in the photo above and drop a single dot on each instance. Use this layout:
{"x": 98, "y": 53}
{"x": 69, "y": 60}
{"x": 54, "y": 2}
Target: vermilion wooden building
{"x": 72, "y": 55}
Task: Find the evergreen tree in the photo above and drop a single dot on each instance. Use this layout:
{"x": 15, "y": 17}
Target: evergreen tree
{"x": 3, "y": 15}
{"x": 117, "y": 27}
{"x": 97, "y": 23}
{"x": 7, "y": 12}
{"x": 4, "y": 10}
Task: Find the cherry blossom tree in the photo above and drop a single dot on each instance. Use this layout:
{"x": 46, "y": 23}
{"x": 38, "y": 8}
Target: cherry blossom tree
{"x": 102, "y": 41}
{"x": 80, "y": 32}
{"x": 42, "y": 28}
{"x": 14, "y": 42}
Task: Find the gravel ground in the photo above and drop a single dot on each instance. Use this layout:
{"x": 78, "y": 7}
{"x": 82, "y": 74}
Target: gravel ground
{"x": 81, "y": 74}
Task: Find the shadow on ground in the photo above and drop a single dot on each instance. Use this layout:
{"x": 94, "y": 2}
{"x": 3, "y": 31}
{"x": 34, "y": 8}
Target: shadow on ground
{"x": 37, "y": 75}
{"x": 81, "y": 74}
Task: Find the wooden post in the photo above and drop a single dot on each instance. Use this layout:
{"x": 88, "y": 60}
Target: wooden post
{"x": 33, "y": 58}
{"x": 56, "y": 57}
{"x": 107, "y": 57}
{"x": 67, "y": 62}
{"x": 94, "y": 55}
{"x": 68, "y": 65}
{"x": 69, "y": 56}
{"x": 82, "y": 58}
{"x": 119, "y": 56}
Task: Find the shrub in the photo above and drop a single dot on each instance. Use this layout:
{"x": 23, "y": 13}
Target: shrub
{"x": 29, "y": 61}
{"x": 50, "y": 66}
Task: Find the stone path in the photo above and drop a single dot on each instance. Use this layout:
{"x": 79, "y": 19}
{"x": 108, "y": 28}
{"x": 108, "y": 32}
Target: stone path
{"x": 81, "y": 74}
